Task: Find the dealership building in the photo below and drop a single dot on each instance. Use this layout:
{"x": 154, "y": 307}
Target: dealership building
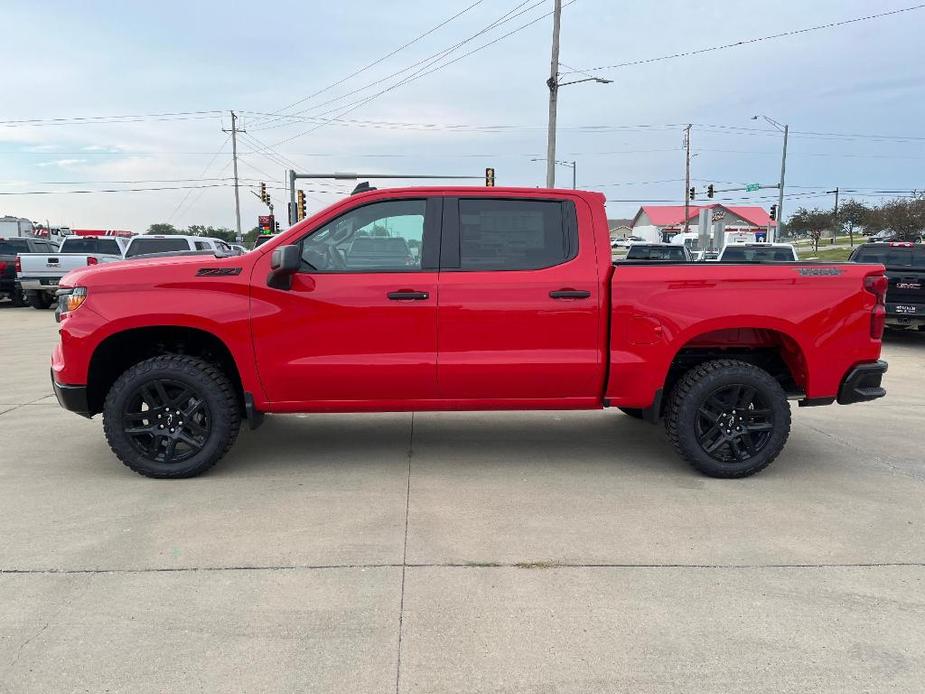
{"x": 657, "y": 223}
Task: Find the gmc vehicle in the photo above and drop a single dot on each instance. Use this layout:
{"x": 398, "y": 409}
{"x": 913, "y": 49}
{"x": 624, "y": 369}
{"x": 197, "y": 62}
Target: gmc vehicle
{"x": 9, "y": 250}
{"x": 149, "y": 244}
{"x": 39, "y": 273}
{"x": 512, "y": 303}
{"x": 659, "y": 252}
{"x": 905, "y": 270}
{"x": 757, "y": 253}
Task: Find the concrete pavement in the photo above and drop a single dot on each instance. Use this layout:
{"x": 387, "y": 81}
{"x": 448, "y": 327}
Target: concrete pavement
{"x": 434, "y": 552}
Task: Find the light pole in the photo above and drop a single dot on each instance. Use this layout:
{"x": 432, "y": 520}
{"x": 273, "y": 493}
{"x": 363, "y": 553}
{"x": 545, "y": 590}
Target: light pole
{"x": 783, "y": 169}
{"x": 573, "y": 165}
{"x": 553, "y": 83}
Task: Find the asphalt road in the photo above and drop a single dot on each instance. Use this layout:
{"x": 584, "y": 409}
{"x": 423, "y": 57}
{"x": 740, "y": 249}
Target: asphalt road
{"x": 512, "y": 552}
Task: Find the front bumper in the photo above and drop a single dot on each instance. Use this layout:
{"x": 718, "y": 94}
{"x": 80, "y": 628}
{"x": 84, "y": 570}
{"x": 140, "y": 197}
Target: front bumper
{"x": 862, "y": 383}
{"x": 73, "y": 398}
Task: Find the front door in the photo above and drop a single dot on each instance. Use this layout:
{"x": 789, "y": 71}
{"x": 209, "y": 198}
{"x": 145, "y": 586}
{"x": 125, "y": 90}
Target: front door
{"x": 359, "y": 324}
{"x": 520, "y": 316}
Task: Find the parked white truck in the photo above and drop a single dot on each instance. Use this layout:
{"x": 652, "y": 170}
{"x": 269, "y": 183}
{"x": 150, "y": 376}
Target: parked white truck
{"x": 39, "y": 273}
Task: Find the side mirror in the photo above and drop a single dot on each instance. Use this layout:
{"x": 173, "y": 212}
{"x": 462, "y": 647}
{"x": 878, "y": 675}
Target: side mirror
{"x": 284, "y": 263}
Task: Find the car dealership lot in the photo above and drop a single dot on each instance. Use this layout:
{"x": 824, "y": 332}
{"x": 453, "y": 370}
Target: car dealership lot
{"x": 550, "y": 551}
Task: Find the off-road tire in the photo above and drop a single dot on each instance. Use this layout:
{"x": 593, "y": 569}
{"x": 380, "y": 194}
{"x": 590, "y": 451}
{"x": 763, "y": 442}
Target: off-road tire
{"x": 38, "y": 299}
{"x": 207, "y": 381}
{"x": 634, "y": 412}
{"x": 696, "y": 387}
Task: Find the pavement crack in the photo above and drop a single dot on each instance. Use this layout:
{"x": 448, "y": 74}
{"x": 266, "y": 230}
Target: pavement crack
{"x": 546, "y": 565}
{"x": 404, "y": 559}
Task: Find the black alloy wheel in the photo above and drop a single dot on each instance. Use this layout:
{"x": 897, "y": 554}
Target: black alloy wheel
{"x": 166, "y": 421}
{"x": 734, "y": 423}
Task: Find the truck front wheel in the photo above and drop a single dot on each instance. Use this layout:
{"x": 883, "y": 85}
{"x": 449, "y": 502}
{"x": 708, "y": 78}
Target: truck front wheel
{"x": 171, "y": 416}
{"x": 728, "y": 418}
{"x": 38, "y": 299}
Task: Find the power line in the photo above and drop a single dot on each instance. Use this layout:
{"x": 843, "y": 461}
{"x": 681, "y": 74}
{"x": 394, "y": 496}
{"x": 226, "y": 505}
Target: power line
{"x": 204, "y": 170}
{"x": 429, "y": 60}
{"x": 375, "y": 62}
{"x": 418, "y": 75}
{"x": 114, "y": 190}
{"x": 745, "y": 42}
{"x": 82, "y": 120}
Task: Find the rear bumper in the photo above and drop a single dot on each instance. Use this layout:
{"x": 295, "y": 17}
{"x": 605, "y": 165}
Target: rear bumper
{"x": 48, "y": 284}
{"x": 862, "y": 383}
{"x": 73, "y": 398}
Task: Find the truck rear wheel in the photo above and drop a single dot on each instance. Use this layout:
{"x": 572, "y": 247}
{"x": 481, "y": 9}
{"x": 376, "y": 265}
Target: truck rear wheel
{"x": 728, "y": 418}
{"x": 171, "y": 416}
{"x": 38, "y": 299}
{"x": 18, "y": 297}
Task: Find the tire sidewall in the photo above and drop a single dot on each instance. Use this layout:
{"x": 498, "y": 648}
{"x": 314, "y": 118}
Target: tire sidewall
{"x": 207, "y": 388}
{"x": 700, "y": 390}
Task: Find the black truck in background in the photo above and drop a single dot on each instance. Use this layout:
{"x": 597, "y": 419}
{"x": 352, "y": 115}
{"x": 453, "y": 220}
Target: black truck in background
{"x": 905, "y": 270}
{"x": 9, "y": 249}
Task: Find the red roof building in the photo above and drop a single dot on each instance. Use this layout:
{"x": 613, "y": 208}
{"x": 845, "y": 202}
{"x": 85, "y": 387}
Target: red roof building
{"x": 660, "y": 222}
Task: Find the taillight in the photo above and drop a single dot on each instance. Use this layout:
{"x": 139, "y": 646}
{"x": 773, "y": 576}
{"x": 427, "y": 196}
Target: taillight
{"x": 877, "y": 285}
{"x": 18, "y": 264}
{"x": 3, "y": 265}
{"x": 91, "y": 260}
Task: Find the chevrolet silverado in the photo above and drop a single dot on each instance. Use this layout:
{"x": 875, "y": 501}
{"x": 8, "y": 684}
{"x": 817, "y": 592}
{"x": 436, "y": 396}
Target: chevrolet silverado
{"x": 500, "y": 299}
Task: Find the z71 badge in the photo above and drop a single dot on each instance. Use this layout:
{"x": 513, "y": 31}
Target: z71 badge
{"x": 820, "y": 271}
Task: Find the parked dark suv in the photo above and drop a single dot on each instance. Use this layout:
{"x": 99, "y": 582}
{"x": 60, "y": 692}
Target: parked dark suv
{"x": 905, "y": 269}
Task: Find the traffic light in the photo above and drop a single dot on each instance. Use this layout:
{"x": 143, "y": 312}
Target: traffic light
{"x": 263, "y": 192}
{"x": 489, "y": 177}
{"x": 300, "y": 206}
{"x": 277, "y": 226}
{"x": 773, "y": 214}
{"x": 710, "y": 191}
{"x": 692, "y": 192}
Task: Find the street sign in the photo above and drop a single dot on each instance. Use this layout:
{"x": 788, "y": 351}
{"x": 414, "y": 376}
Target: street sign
{"x": 752, "y": 187}
{"x": 266, "y": 223}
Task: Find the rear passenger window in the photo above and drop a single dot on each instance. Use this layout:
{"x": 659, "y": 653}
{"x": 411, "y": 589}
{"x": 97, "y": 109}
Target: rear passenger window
{"x": 514, "y": 234}
{"x": 202, "y": 246}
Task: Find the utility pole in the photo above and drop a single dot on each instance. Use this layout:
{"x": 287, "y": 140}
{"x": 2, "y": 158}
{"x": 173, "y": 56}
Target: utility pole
{"x": 687, "y": 175}
{"x": 553, "y": 84}
{"x": 835, "y": 213}
{"x": 780, "y": 194}
{"x": 574, "y": 175}
{"x": 234, "y": 157}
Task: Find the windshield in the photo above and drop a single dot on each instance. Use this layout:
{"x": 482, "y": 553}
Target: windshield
{"x": 145, "y": 246}
{"x": 656, "y": 253}
{"x": 751, "y": 254}
{"x": 13, "y": 246}
{"x": 891, "y": 256}
{"x": 76, "y": 244}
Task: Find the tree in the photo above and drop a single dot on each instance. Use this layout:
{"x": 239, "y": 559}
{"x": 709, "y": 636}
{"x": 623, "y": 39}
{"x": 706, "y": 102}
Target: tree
{"x": 813, "y": 222}
{"x": 163, "y": 228}
{"x": 853, "y": 214}
{"x": 904, "y": 216}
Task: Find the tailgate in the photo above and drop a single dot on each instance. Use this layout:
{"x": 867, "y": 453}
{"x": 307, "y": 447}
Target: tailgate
{"x": 906, "y": 293}
{"x": 50, "y": 265}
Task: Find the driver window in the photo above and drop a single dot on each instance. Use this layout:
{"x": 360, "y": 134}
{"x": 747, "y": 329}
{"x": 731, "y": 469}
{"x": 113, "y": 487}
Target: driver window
{"x": 382, "y": 237}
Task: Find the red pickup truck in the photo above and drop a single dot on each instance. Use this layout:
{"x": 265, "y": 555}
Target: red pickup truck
{"x": 461, "y": 299}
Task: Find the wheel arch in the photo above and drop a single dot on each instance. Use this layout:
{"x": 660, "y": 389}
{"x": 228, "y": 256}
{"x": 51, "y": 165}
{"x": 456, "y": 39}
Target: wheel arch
{"x": 120, "y": 350}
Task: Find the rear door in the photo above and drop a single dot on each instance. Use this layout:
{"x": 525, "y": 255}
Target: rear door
{"x": 520, "y": 302}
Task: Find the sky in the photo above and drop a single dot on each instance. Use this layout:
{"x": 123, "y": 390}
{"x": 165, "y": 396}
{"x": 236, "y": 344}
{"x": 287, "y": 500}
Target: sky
{"x": 852, "y": 95}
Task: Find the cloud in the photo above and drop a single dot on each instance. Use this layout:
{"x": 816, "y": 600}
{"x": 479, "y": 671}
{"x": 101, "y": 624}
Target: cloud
{"x": 62, "y": 163}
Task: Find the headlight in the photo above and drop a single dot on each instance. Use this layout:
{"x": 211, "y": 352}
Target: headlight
{"x": 71, "y": 299}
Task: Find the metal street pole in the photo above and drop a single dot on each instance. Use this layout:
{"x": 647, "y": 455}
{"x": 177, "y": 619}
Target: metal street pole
{"x": 234, "y": 158}
{"x": 574, "y": 175}
{"x": 553, "y": 84}
{"x": 687, "y": 175}
{"x": 780, "y": 196}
